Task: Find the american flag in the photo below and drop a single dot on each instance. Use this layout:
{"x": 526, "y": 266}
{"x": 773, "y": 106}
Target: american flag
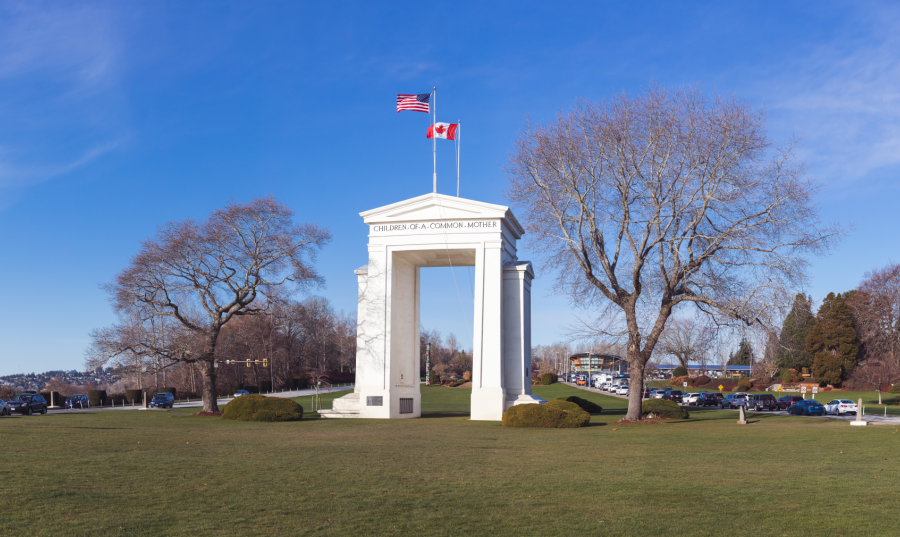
{"x": 416, "y": 103}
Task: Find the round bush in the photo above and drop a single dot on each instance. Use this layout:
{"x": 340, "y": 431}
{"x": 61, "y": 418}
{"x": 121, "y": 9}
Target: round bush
{"x": 895, "y": 388}
{"x": 679, "y": 381}
{"x": 549, "y": 378}
{"x": 552, "y": 415}
{"x": 663, "y": 408}
{"x": 588, "y": 406}
{"x": 680, "y": 371}
{"x": 702, "y": 380}
{"x": 259, "y": 408}
{"x": 744, "y": 385}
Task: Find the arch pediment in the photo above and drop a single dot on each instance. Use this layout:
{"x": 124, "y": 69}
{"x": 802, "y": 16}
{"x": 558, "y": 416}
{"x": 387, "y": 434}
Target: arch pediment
{"x": 436, "y": 207}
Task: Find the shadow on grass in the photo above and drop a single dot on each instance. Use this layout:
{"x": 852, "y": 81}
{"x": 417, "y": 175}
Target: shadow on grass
{"x": 446, "y": 414}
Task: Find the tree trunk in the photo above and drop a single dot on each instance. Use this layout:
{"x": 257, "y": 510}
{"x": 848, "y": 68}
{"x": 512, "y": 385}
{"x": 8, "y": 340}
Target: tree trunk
{"x": 210, "y": 397}
{"x": 636, "y": 386}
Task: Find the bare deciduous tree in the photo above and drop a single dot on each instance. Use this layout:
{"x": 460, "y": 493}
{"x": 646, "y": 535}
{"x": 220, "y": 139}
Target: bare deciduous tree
{"x": 687, "y": 340}
{"x": 876, "y": 307}
{"x": 202, "y": 275}
{"x": 642, "y": 203}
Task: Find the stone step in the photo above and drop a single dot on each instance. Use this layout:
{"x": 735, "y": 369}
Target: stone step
{"x": 348, "y": 402}
{"x": 331, "y": 413}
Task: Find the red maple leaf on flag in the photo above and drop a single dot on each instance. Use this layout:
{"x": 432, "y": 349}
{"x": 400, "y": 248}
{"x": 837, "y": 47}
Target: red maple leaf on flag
{"x": 440, "y": 129}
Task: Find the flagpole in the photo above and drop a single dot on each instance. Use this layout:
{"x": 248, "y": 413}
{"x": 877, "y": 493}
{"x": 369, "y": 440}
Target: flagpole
{"x": 458, "y": 147}
{"x": 434, "y": 135}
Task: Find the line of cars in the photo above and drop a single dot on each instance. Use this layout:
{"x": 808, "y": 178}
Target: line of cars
{"x": 794, "y": 404}
{"x": 28, "y": 403}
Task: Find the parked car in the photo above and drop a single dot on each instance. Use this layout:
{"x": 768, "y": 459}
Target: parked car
{"x": 695, "y": 398}
{"x": 787, "y": 400}
{"x": 241, "y": 392}
{"x": 807, "y": 407}
{"x": 4, "y": 409}
{"x": 622, "y": 389}
{"x": 762, "y": 401}
{"x": 734, "y": 400}
{"x": 77, "y": 401}
{"x": 28, "y": 404}
{"x": 711, "y": 399}
{"x": 840, "y": 406}
{"x": 163, "y": 400}
{"x": 674, "y": 395}
{"x": 660, "y": 394}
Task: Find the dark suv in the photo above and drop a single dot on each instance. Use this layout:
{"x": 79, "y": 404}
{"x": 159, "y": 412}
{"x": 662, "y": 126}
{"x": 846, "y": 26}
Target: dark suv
{"x": 28, "y": 404}
{"x": 762, "y": 401}
{"x": 163, "y": 400}
{"x": 673, "y": 395}
{"x": 784, "y": 402}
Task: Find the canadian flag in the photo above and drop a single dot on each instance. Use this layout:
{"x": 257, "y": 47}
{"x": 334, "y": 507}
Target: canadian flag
{"x": 442, "y": 130}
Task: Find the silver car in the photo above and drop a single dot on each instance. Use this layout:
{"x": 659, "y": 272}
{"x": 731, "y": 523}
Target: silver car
{"x": 4, "y": 410}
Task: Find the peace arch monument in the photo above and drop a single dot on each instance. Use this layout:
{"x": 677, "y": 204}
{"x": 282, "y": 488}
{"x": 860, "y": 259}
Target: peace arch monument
{"x": 435, "y": 230}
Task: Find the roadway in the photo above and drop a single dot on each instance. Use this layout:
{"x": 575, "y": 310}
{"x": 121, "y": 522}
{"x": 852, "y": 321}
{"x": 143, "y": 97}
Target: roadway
{"x": 873, "y": 419}
{"x": 199, "y": 403}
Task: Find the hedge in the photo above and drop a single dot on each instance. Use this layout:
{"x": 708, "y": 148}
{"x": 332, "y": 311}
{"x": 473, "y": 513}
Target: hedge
{"x": 235, "y": 386}
{"x": 680, "y": 371}
{"x": 252, "y": 389}
{"x": 53, "y": 398}
{"x": 588, "y": 406}
{"x": 549, "y": 378}
{"x": 265, "y": 386}
{"x": 134, "y": 396}
{"x": 259, "y": 408}
{"x": 663, "y": 408}
{"x": 97, "y": 397}
{"x": 434, "y": 378}
{"x": 552, "y": 415}
{"x": 169, "y": 390}
{"x": 299, "y": 384}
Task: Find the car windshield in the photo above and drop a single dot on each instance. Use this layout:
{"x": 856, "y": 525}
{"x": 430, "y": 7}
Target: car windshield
{"x": 22, "y": 397}
{"x": 845, "y": 402}
{"x": 159, "y": 396}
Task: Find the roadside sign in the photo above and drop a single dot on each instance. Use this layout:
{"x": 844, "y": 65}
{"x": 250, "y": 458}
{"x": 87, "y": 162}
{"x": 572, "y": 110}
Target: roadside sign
{"x": 780, "y": 388}
{"x": 720, "y": 387}
{"x": 815, "y": 389}
{"x": 802, "y": 389}
{"x": 684, "y": 384}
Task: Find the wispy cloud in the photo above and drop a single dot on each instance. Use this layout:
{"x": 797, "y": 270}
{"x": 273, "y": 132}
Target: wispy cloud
{"x": 59, "y": 93}
{"x": 843, "y": 98}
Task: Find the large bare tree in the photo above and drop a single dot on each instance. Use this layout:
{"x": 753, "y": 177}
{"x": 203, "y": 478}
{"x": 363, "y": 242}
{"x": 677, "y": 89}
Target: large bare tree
{"x": 688, "y": 340}
{"x": 203, "y": 274}
{"x": 643, "y": 203}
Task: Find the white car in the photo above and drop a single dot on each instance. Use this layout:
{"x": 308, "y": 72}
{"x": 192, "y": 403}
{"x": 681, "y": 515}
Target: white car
{"x": 840, "y": 406}
{"x": 694, "y": 398}
{"x": 622, "y": 390}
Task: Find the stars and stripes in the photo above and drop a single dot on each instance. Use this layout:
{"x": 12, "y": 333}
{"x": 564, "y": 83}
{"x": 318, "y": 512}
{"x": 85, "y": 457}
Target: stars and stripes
{"x": 416, "y": 103}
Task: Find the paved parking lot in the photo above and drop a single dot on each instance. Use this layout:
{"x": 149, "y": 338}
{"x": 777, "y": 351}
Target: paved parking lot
{"x": 874, "y": 419}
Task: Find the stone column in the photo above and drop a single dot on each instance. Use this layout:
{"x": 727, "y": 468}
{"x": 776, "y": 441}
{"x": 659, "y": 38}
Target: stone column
{"x": 488, "y": 395}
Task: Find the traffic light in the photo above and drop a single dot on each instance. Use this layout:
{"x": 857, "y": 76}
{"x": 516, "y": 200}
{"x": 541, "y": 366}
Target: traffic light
{"x": 248, "y": 363}
{"x": 265, "y": 362}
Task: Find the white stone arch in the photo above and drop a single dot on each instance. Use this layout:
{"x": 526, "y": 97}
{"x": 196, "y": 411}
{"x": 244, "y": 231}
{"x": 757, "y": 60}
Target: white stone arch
{"x": 439, "y": 231}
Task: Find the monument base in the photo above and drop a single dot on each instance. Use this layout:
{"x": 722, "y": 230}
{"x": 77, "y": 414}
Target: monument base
{"x": 859, "y": 423}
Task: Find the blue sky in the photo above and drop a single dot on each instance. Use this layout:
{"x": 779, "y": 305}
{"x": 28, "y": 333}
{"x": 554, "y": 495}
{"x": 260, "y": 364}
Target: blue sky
{"x": 116, "y": 117}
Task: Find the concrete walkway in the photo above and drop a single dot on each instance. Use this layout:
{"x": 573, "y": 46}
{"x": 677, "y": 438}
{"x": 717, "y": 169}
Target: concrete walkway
{"x": 222, "y": 401}
{"x": 873, "y": 419}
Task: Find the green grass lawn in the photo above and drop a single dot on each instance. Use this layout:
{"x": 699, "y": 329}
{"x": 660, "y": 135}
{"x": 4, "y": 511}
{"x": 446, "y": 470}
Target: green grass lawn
{"x": 168, "y": 473}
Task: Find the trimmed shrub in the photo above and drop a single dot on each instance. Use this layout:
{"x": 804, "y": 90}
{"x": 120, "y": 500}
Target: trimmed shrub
{"x": 663, "y": 408}
{"x": 679, "y": 381}
{"x": 552, "y": 415}
{"x": 588, "y": 406}
{"x": 457, "y": 382}
{"x": 549, "y": 378}
{"x": 235, "y": 386}
{"x": 169, "y": 390}
{"x": 895, "y": 388}
{"x": 680, "y": 371}
{"x": 744, "y": 385}
{"x": 134, "y": 396}
{"x": 97, "y": 397}
{"x": 259, "y": 408}
{"x": 434, "y": 378}
{"x": 702, "y": 380}
{"x": 53, "y": 398}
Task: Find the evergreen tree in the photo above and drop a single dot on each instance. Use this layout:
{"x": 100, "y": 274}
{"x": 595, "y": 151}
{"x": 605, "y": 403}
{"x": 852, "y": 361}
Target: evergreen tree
{"x": 743, "y": 355}
{"x": 792, "y": 340}
{"x": 832, "y": 341}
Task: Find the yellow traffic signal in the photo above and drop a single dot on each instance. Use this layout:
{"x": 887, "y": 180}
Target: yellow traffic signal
{"x": 265, "y": 362}
{"x": 248, "y": 363}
